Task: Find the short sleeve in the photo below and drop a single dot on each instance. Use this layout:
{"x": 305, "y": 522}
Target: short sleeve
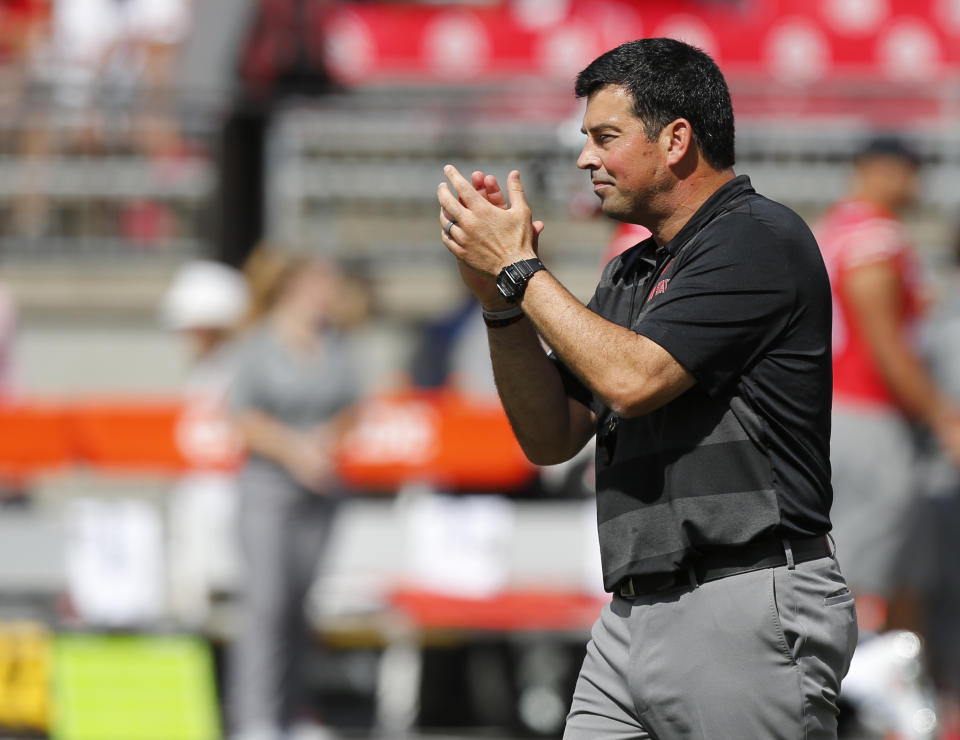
{"x": 723, "y": 306}
{"x": 872, "y": 242}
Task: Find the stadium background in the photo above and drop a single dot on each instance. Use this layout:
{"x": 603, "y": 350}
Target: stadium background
{"x": 137, "y": 135}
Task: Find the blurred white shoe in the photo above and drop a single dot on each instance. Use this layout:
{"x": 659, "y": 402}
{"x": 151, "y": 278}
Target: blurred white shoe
{"x": 259, "y": 733}
{"x": 309, "y": 731}
{"x": 888, "y": 686}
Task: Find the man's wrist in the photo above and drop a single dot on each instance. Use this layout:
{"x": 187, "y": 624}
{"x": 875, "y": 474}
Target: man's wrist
{"x": 943, "y": 417}
{"x": 493, "y": 305}
{"x": 500, "y": 319}
{"x": 513, "y": 278}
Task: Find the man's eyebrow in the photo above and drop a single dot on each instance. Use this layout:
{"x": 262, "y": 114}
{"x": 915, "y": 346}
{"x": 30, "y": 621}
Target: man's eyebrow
{"x": 600, "y": 127}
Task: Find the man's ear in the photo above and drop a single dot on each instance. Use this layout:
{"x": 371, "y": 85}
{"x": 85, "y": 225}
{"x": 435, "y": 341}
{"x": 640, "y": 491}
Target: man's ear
{"x": 677, "y": 139}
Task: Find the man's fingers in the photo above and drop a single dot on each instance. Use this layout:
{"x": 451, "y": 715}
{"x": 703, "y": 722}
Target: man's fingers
{"x": 494, "y": 194}
{"x": 445, "y": 221}
{"x": 468, "y": 195}
{"x": 450, "y": 243}
{"x": 515, "y": 189}
{"x": 450, "y": 203}
{"x": 538, "y": 227}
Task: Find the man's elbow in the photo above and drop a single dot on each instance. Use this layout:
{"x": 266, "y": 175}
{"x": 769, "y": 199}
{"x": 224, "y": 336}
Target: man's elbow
{"x": 631, "y": 409}
{"x": 543, "y": 456}
{"x": 629, "y": 401}
{"x": 550, "y": 451}
{"x": 630, "y": 398}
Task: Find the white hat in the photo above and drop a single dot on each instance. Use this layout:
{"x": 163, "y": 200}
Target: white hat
{"x": 205, "y": 295}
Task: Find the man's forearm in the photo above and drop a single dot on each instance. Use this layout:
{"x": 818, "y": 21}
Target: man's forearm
{"x": 910, "y": 382}
{"x": 628, "y": 372}
{"x": 533, "y": 395}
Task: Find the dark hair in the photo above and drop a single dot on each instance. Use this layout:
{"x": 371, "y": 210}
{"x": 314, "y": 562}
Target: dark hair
{"x": 888, "y": 145}
{"x": 670, "y": 79}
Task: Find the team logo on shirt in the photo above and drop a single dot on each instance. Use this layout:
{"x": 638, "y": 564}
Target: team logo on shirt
{"x": 659, "y": 288}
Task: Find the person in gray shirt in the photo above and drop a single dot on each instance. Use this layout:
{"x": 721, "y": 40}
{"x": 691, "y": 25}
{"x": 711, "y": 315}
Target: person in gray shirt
{"x": 294, "y": 385}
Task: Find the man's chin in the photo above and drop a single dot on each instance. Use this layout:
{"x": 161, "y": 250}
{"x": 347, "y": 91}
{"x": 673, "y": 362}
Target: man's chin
{"x": 611, "y": 210}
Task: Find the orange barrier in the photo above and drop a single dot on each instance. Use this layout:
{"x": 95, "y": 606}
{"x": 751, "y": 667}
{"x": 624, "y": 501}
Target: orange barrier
{"x": 34, "y": 437}
{"x": 438, "y": 438}
{"x": 509, "y": 610}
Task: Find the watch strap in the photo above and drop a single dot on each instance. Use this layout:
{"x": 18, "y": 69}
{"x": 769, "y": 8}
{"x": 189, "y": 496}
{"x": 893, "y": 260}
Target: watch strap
{"x": 513, "y": 279}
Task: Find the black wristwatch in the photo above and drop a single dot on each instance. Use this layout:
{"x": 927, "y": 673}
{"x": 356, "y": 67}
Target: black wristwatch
{"x": 512, "y": 280}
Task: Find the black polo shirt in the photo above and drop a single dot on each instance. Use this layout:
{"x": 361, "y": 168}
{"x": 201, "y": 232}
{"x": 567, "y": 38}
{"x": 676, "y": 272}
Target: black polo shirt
{"x": 740, "y": 297}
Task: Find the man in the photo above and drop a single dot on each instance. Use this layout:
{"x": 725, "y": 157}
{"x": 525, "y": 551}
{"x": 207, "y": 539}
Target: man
{"x": 880, "y": 384}
{"x": 702, "y": 364}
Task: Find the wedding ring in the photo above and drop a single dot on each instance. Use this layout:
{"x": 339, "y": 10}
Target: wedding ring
{"x": 450, "y": 224}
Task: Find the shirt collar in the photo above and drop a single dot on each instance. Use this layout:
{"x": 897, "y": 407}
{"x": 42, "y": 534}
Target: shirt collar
{"x": 708, "y": 211}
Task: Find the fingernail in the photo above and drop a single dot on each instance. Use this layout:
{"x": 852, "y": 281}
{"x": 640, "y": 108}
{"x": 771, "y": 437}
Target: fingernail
{"x": 447, "y": 167}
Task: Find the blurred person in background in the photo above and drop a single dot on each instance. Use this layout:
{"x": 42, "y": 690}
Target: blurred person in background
{"x": 205, "y": 303}
{"x": 937, "y": 528}
{"x": 623, "y": 238}
{"x": 294, "y": 385}
{"x": 881, "y": 386}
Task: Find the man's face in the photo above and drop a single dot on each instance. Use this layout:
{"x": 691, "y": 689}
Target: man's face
{"x": 628, "y": 170}
{"x": 890, "y": 179}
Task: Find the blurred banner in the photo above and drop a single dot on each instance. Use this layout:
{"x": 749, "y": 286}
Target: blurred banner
{"x": 791, "y": 41}
{"x": 432, "y": 437}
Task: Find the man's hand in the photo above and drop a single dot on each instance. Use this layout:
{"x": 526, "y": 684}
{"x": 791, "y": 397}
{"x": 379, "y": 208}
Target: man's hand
{"x": 488, "y": 234}
{"x": 484, "y": 287}
{"x": 947, "y": 429}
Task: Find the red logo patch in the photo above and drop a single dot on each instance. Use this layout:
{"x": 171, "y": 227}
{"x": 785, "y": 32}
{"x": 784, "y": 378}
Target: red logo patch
{"x": 659, "y": 288}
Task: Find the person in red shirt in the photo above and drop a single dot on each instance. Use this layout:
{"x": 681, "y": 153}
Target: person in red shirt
{"x": 881, "y": 387}
{"x": 624, "y": 236}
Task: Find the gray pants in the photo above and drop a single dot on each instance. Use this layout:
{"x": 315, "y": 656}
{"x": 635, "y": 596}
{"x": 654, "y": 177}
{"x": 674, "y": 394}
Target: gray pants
{"x": 755, "y": 656}
{"x": 283, "y": 531}
{"x": 874, "y": 494}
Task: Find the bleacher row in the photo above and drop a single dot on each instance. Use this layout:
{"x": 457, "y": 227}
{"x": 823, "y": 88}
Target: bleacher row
{"x": 354, "y": 176}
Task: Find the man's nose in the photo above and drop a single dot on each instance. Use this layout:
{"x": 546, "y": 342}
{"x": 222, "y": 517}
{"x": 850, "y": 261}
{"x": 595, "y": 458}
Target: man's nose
{"x": 587, "y": 159}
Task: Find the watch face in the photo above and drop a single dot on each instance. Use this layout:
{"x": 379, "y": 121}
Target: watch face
{"x": 506, "y": 287}
{"x": 512, "y": 280}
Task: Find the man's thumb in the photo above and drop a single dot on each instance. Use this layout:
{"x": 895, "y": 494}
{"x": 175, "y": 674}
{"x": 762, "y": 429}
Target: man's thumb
{"x": 515, "y": 188}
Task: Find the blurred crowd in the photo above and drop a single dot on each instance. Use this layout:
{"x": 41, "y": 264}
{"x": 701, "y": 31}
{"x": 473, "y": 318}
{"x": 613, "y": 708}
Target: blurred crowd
{"x": 89, "y": 78}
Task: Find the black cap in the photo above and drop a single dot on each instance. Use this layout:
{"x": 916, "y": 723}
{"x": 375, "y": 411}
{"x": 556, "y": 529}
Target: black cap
{"x": 888, "y": 145}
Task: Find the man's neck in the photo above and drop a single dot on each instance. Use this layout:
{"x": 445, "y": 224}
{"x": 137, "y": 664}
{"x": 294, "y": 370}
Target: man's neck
{"x": 878, "y": 202}
{"x": 686, "y": 199}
